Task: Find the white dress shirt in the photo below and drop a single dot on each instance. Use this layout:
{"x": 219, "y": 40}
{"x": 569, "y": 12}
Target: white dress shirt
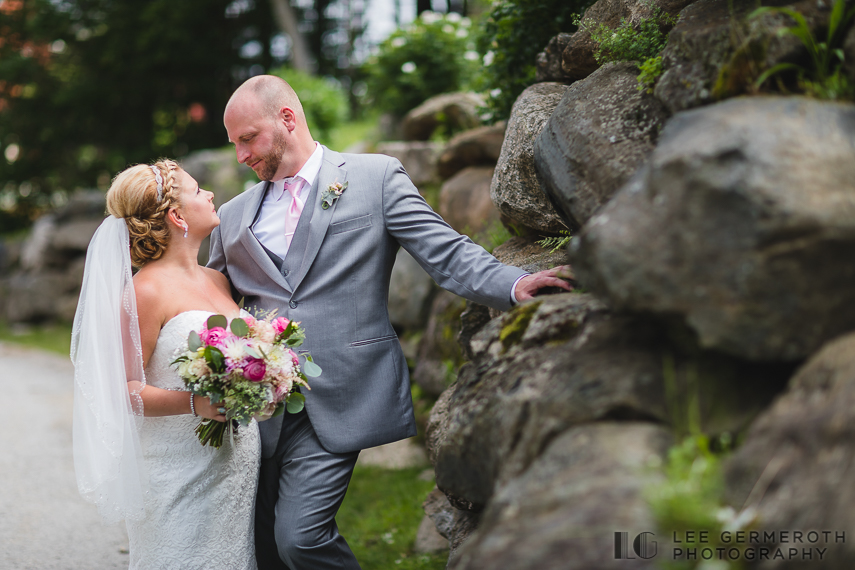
{"x": 269, "y": 228}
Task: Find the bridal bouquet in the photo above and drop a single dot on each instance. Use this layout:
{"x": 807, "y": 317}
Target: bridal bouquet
{"x": 248, "y": 366}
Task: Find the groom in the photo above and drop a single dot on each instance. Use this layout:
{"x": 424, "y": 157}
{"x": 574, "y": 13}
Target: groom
{"x": 317, "y": 239}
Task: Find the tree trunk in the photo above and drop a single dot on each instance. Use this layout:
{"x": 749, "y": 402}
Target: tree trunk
{"x": 286, "y": 19}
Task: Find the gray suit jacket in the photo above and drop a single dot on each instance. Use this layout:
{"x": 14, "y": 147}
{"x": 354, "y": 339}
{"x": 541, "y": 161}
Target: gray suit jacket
{"x": 340, "y": 292}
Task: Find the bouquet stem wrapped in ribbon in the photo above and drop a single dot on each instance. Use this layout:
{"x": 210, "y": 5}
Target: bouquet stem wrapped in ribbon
{"x": 249, "y": 367}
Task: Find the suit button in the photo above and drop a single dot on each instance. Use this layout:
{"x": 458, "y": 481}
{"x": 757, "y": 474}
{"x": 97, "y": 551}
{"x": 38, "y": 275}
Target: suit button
{"x": 285, "y": 273}
{"x": 293, "y": 304}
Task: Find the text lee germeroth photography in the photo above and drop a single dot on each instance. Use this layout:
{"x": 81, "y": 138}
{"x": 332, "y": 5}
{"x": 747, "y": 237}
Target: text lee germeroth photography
{"x": 750, "y": 545}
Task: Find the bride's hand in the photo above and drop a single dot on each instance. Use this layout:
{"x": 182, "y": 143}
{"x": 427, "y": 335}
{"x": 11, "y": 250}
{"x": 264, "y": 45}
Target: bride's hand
{"x": 205, "y": 409}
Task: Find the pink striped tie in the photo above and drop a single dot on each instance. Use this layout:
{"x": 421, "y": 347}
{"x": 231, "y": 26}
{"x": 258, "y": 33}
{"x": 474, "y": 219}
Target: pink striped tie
{"x": 294, "y": 210}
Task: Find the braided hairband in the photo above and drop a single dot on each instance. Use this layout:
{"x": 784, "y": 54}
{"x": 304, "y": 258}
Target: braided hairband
{"x": 159, "y": 179}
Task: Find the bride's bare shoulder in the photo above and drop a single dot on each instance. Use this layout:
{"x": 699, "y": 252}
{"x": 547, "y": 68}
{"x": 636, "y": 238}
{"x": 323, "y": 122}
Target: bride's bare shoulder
{"x": 219, "y": 279}
{"x": 150, "y": 289}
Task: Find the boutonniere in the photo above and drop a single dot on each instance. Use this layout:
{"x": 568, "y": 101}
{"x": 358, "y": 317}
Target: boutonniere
{"x": 332, "y": 193}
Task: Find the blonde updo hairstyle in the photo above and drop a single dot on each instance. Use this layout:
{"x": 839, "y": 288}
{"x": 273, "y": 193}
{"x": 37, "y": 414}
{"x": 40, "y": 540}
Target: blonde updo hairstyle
{"x": 133, "y": 196}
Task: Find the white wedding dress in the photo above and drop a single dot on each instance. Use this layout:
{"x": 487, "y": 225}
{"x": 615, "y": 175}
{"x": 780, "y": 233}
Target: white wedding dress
{"x": 200, "y": 505}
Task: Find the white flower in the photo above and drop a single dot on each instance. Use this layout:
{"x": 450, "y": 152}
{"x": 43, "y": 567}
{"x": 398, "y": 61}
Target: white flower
{"x": 495, "y": 92}
{"x": 471, "y": 56}
{"x": 234, "y": 348}
{"x": 453, "y": 17}
{"x": 199, "y": 368}
{"x": 430, "y": 17}
{"x": 488, "y": 58}
{"x": 400, "y": 41}
{"x": 408, "y": 67}
{"x": 466, "y": 22}
{"x": 462, "y": 33}
{"x": 448, "y": 29}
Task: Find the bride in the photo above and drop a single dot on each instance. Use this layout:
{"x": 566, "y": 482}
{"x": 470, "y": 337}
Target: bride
{"x": 136, "y": 455}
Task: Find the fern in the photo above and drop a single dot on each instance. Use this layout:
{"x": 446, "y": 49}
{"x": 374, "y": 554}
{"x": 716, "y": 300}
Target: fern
{"x": 556, "y": 242}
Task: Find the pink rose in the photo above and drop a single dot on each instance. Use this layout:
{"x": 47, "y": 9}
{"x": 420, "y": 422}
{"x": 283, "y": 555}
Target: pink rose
{"x": 280, "y": 324}
{"x": 254, "y": 371}
{"x": 214, "y": 336}
{"x": 294, "y": 358}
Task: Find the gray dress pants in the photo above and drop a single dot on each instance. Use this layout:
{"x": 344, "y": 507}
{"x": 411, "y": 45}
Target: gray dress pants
{"x": 300, "y": 490}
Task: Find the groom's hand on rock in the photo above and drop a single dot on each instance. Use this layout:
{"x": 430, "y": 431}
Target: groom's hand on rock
{"x": 529, "y": 285}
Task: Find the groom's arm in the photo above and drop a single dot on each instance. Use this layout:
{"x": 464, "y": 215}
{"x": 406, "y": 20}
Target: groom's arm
{"x": 454, "y": 261}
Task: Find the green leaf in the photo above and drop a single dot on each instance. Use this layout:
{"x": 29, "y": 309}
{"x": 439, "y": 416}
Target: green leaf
{"x": 296, "y": 403}
{"x": 311, "y": 369}
{"x": 216, "y": 360}
{"x": 215, "y": 321}
{"x": 774, "y": 70}
{"x": 240, "y": 328}
{"x": 250, "y": 351}
{"x": 194, "y": 341}
{"x": 280, "y": 409}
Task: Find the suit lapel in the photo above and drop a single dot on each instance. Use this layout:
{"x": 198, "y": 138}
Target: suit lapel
{"x": 331, "y": 172}
{"x": 251, "y": 243}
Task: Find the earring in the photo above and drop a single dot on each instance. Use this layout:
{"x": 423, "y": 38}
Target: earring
{"x": 186, "y": 229}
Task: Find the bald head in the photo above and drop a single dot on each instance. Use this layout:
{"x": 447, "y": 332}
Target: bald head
{"x": 268, "y": 94}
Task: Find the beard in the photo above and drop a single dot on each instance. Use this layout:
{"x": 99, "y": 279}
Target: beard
{"x": 271, "y": 160}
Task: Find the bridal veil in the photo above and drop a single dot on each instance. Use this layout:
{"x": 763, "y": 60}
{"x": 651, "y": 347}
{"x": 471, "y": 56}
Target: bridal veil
{"x": 108, "y": 377}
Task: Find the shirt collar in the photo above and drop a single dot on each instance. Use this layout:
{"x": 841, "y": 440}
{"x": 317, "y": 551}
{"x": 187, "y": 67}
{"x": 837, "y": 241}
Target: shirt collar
{"x": 308, "y": 173}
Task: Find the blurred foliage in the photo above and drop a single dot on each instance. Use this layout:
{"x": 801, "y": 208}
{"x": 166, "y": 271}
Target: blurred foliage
{"x": 90, "y": 86}
{"x": 631, "y": 43}
{"x": 514, "y": 33}
{"x": 324, "y": 101}
{"x": 54, "y": 338}
{"x": 823, "y": 78}
{"x": 435, "y": 54}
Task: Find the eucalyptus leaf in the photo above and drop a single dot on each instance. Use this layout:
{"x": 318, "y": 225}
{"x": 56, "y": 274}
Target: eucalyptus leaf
{"x": 240, "y": 328}
{"x": 296, "y": 403}
{"x": 194, "y": 341}
{"x": 280, "y": 409}
{"x": 250, "y": 351}
{"x": 215, "y": 321}
{"x": 311, "y": 369}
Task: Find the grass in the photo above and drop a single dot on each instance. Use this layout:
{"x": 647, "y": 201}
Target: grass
{"x": 380, "y": 516}
{"x": 54, "y": 337}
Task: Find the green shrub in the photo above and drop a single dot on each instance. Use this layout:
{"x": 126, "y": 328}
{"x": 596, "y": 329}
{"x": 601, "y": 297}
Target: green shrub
{"x": 642, "y": 43}
{"x": 324, "y": 101}
{"x": 514, "y": 33}
{"x": 824, "y": 77}
{"x": 433, "y": 55}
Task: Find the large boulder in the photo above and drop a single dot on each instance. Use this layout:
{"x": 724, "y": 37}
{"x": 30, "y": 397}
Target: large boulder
{"x": 218, "y": 171}
{"x": 439, "y": 353}
{"x": 794, "y": 469}
{"x": 48, "y": 295}
{"x": 476, "y": 147}
{"x": 715, "y": 51}
{"x": 410, "y": 293}
{"x": 517, "y": 189}
{"x": 417, "y": 158}
{"x": 563, "y": 512}
{"x": 454, "y": 524}
{"x": 601, "y": 132}
{"x": 464, "y": 201}
{"x": 452, "y": 111}
{"x": 548, "y": 62}
{"x": 742, "y": 228}
{"x": 565, "y": 360}
{"x": 578, "y": 57}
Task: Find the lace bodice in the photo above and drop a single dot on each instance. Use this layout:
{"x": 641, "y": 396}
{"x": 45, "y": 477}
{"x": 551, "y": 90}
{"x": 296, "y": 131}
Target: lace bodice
{"x": 201, "y": 500}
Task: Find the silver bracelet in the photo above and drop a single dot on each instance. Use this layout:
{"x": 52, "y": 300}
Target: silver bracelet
{"x": 192, "y": 405}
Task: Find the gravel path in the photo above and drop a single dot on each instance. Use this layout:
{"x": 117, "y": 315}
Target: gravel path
{"x": 44, "y": 523}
